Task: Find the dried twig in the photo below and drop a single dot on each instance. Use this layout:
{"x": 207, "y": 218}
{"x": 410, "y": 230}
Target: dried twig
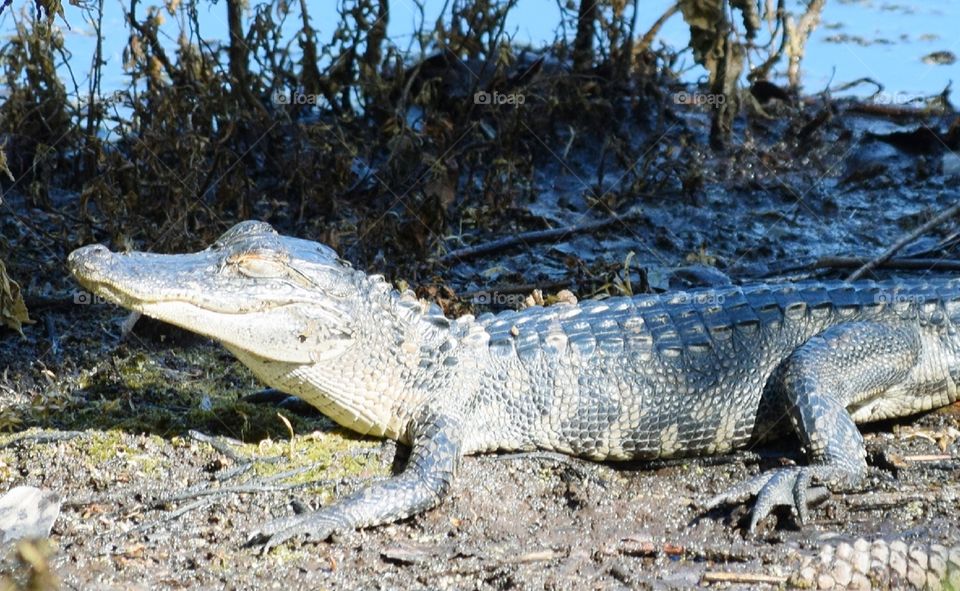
{"x": 889, "y": 111}
{"x": 534, "y": 236}
{"x": 41, "y": 437}
{"x": 225, "y": 447}
{"x": 651, "y": 34}
{"x": 171, "y": 516}
{"x": 928, "y": 458}
{"x": 905, "y": 264}
{"x": 905, "y": 240}
{"x": 744, "y": 578}
{"x": 882, "y": 500}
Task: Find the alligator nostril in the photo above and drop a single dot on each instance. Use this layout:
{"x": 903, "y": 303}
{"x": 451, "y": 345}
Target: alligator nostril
{"x": 85, "y": 254}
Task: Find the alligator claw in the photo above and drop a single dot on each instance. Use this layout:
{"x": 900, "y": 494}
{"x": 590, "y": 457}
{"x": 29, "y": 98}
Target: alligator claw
{"x": 316, "y": 527}
{"x": 789, "y": 487}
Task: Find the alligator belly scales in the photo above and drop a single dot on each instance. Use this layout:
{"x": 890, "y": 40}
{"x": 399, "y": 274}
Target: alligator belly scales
{"x": 693, "y": 373}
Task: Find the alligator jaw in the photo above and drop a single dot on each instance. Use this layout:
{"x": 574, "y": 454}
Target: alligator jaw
{"x": 146, "y": 281}
{"x": 253, "y": 291}
{"x": 124, "y": 280}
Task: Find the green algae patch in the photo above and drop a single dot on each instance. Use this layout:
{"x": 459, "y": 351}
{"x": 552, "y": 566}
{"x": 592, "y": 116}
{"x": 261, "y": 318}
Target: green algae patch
{"x": 7, "y": 461}
{"x": 10, "y": 419}
{"x": 134, "y": 453}
{"x": 103, "y": 446}
{"x": 170, "y": 392}
{"x": 134, "y": 402}
{"x": 321, "y": 460}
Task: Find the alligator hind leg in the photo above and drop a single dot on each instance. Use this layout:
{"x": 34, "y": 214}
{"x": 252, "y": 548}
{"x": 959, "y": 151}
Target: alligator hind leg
{"x": 423, "y": 483}
{"x": 846, "y": 365}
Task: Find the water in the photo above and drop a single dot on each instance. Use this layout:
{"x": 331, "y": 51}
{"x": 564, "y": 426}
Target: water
{"x": 885, "y": 41}
{"x": 898, "y": 36}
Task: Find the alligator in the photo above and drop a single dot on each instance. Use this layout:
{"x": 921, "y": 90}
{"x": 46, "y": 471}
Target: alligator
{"x": 694, "y": 373}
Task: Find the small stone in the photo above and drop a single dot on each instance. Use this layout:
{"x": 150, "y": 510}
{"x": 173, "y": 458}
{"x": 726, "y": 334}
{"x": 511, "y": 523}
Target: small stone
{"x": 27, "y": 512}
{"x": 844, "y": 551}
{"x": 934, "y": 583}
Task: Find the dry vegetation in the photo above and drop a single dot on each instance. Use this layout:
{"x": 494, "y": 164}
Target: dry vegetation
{"x": 209, "y": 133}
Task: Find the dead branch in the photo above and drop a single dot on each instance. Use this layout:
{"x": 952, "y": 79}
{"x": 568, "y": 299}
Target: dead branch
{"x": 905, "y": 240}
{"x": 742, "y": 578}
{"x": 532, "y": 237}
{"x": 903, "y": 264}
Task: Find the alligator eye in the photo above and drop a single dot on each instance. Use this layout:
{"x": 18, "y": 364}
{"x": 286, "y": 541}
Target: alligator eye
{"x": 253, "y": 266}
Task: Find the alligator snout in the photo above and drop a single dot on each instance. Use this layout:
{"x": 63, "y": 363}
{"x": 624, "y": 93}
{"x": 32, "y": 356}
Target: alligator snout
{"x": 88, "y": 259}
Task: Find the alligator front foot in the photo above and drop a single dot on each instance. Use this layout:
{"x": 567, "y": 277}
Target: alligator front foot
{"x": 791, "y": 487}
{"x": 316, "y": 526}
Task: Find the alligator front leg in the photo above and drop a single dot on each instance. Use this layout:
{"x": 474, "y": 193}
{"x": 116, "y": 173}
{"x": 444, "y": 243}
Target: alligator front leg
{"x": 423, "y": 483}
{"x": 847, "y": 365}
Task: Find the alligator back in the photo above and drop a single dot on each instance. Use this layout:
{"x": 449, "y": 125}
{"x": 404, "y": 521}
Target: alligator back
{"x": 685, "y": 373}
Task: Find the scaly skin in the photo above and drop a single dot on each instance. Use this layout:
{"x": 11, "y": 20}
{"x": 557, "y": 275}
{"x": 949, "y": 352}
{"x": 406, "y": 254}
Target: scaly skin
{"x": 696, "y": 373}
{"x": 865, "y": 565}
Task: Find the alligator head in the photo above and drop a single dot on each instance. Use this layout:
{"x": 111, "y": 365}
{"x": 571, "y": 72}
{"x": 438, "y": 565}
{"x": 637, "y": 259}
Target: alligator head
{"x": 282, "y": 298}
{"x": 299, "y": 316}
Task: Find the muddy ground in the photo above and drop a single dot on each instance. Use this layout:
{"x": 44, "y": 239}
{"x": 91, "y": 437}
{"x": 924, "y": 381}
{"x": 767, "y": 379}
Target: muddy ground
{"x": 119, "y": 426}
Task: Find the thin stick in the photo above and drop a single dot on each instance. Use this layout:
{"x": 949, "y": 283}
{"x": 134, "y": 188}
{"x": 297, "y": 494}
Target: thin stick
{"x": 893, "y": 111}
{"x": 728, "y": 577}
{"x": 928, "y": 458}
{"x": 171, "y": 516}
{"x": 41, "y": 437}
{"x": 648, "y": 38}
{"x": 534, "y": 236}
{"x": 908, "y": 264}
{"x": 910, "y": 237}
